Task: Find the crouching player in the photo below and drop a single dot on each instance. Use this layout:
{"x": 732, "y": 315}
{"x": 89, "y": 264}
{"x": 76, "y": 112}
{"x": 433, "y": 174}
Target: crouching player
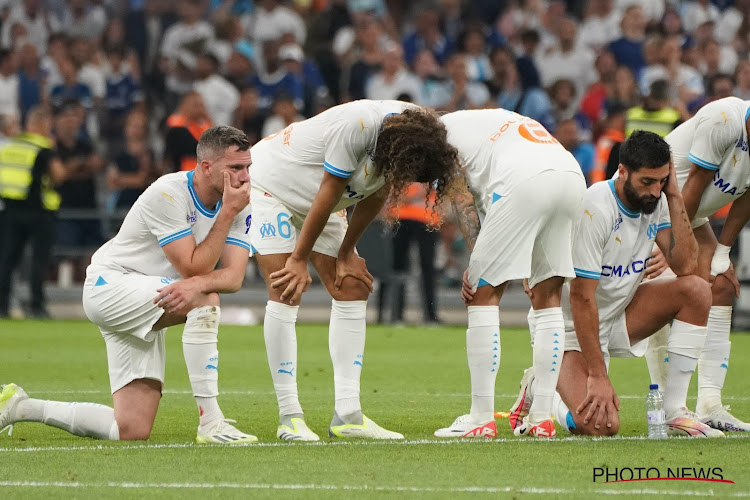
{"x": 609, "y": 311}
{"x": 530, "y": 191}
{"x": 179, "y": 228}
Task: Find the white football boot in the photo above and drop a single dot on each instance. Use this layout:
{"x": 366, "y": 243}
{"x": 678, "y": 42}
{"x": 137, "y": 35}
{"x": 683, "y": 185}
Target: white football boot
{"x": 466, "y": 427}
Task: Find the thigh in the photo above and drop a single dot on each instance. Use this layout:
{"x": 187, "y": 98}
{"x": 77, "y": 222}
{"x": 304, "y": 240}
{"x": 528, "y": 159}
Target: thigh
{"x": 135, "y": 408}
{"x": 130, "y": 358}
{"x": 269, "y": 264}
{"x": 654, "y": 304}
{"x": 351, "y": 288}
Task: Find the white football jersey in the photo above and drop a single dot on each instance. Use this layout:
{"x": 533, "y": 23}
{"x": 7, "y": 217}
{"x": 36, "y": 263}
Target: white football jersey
{"x": 167, "y": 211}
{"x": 613, "y": 246}
{"x": 500, "y": 149}
{"x": 715, "y": 139}
{"x": 289, "y": 165}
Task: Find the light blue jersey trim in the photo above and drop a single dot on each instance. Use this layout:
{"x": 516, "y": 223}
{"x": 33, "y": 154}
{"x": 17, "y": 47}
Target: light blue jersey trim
{"x": 176, "y": 236}
{"x": 483, "y": 282}
{"x": 623, "y": 208}
{"x": 239, "y": 243}
{"x": 747, "y": 113}
{"x": 703, "y": 163}
{"x": 582, "y": 273}
{"x": 663, "y": 225}
{"x": 201, "y": 208}
{"x": 336, "y": 171}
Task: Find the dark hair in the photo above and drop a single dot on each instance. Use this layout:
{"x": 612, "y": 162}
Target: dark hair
{"x": 659, "y": 90}
{"x": 413, "y": 147}
{"x": 644, "y": 149}
{"x": 4, "y": 55}
{"x": 215, "y": 141}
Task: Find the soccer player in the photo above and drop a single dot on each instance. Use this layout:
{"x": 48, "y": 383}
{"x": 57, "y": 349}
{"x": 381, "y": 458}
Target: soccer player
{"x": 180, "y": 227}
{"x": 528, "y": 190}
{"x": 304, "y": 178}
{"x": 713, "y": 169}
{"x": 609, "y": 309}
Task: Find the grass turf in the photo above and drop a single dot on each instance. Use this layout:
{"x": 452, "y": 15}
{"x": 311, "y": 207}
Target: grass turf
{"x": 414, "y": 381}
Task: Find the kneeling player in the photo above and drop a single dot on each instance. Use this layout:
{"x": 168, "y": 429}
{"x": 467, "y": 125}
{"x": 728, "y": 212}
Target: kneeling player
{"x": 609, "y": 311}
{"x": 530, "y": 191}
{"x": 179, "y": 227}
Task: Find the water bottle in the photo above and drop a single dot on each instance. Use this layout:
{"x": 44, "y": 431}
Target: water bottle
{"x": 657, "y": 424}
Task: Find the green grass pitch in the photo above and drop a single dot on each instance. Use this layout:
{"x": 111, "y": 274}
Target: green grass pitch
{"x": 414, "y": 381}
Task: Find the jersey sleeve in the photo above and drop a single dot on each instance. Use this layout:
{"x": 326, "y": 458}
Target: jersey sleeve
{"x": 714, "y": 134}
{"x": 165, "y": 213}
{"x": 347, "y": 140}
{"x": 664, "y": 222}
{"x": 239, "y": 233}
{"x": 593, "y": 232}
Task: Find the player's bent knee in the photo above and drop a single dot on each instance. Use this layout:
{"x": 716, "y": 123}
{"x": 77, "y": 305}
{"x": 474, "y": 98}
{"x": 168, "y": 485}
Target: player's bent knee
{"x": 210, "y": 299}
{"x": 695, "y": 291}
{"x": 351, "y": 289}
{"x": 722, "y": 291}
{"x": 134, "y": 431}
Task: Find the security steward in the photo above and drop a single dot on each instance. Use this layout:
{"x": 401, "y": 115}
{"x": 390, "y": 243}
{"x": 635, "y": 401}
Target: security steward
{"x": 29, "y": 172}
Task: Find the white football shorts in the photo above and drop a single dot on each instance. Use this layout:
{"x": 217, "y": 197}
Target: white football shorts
{"x": 275, "y": 227}
{"x": 529, "y": 232}
{"x": 613, "y": 340}
{"x": 121, "y": 305}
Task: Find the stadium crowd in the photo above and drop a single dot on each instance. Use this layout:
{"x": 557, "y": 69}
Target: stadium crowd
{"x": 131, "y": 85}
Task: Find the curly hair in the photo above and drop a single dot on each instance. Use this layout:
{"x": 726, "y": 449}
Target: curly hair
{"x": 413, "y": 147}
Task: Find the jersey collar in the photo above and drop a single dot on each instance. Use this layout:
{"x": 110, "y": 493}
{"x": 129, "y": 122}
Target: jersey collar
{"x": 198, "y": 204}
{"x": 620, "y": 204}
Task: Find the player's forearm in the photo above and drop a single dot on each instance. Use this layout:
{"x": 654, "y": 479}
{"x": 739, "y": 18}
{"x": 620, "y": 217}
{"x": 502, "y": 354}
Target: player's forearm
{"x": 586, "y": 324}
{"x": 329, "y": 195}
{"x": 224, "y": 280}
{"x": 468, "y": 219}
{"x": 682, "y": 251}
{"x": 692, "y": 190}
{"x": 737, "y": 218}
{"x": 364, "y": 213}
{"x": 206, "y": 254}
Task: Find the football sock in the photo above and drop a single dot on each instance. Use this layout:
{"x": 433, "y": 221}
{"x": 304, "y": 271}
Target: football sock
{"x": 346, "y": 343}
{"x": 657, "y": 358}
{"x": 549, "y": 338}
{"x": 714, "y": 360}
{"x": 562, "y": 413}
{"x": 483, "y": 353}
{"x": 81, "y": 419}
{"x": 199, "y": 347}
{"x": 281, "y": 348}
{"x": 683, "y": 346}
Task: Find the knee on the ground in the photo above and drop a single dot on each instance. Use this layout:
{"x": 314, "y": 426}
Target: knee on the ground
{"x": 134, "y": 431}
{"x": 695, "y": 292}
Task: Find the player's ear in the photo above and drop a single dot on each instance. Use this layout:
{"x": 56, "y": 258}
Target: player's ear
{"x": 204, "y": 166}
{"x": 622, "y": 172}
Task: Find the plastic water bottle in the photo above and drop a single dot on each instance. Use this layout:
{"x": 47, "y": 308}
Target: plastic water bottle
{"x": 657, "y": 424}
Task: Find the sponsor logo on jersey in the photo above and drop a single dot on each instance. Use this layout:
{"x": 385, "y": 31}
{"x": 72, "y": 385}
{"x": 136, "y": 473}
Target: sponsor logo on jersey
{"x": 651, "y": 231}
{"x": 267, "y": 230}
{"x": 742, "y": 144}
{"x": 726, "y": 187}
{"x": 192, "y": 217}
{"x": 621, "y": 271}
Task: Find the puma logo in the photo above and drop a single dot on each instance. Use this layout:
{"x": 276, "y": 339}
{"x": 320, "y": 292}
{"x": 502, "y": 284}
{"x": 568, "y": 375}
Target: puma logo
{"x": 591, "y": 216}
{"x": 290, "y": 372}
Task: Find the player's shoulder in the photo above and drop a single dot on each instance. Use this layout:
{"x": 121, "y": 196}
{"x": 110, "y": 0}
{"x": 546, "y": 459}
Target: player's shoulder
{"x": 601, "y": 202}
{"x": 729, "y": 111}
{"x": 170, "y": 188}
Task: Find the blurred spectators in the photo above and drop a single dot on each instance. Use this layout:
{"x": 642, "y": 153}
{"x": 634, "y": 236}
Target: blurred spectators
{"x": 132, "y": 168}
{"x": 314, "y": 88}
{"x": 284, "y": 114}
{"x": 427, "y": 35}
{"x": 123, "y": 93}
{"x": 219, "y": 96}
{"x": 247, "y": 117}
{"x": 609, "y": 141}
{"x": 274, "y": 78}
{"x": 742, "y": 78}
{"x": 394, "y": 79}
{"x": 655, "y": 114}
{"x": 30, "y": 79}
{"x": 184, "y": 128}
{"x": 457, "y": 92}
{"x": 8, "y": 84}
{"x": 628, "y": 49}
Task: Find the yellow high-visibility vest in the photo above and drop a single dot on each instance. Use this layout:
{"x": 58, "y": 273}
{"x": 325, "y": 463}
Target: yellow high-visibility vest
{"x": 659, "y": 122}
{"x": 17, "y": 158}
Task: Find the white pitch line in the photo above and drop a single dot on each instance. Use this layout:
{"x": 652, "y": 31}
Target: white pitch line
{"x": 411, "y": 442}
{"x": 400, "y": 394}
{"x": 396, "y": 489}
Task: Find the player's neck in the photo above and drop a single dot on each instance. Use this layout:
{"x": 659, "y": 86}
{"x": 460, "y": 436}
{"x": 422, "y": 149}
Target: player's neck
{"x": 620, "y": 191}
{"x": 205, "y": 193}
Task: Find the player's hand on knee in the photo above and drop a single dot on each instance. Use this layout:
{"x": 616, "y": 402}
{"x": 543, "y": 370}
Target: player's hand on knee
{"x": 730, "y": 275}
{"x": 601, "y": 403}
{"x": 657, "y": 264}
{"x": 178, "y": 296}
{"x": 467, "y": 291}
{"x": 294, "y": 277}
{"x": 235, "y": 199}
{"x": 355, "y": 266}
{"x": 528, "y": 291}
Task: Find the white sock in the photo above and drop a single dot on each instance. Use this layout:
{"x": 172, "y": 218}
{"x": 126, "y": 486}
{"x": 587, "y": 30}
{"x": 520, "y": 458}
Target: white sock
{"x": 483, "y": 352}
{"x": 200, "y": 348}
{"x": 714, "y": 361}
{"x": 683, "y": 346}
{"x": 657, "y": 358}
{"x": 81, "y": 419}
{"x": 346, "y": 342}
{"x": 281, "y": 348}
{"x": 562, "y": 413}
{"x": 548, "y": 349}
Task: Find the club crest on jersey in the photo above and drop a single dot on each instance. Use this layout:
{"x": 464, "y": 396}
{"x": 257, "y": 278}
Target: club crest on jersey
{"x": 267, "y": 230}
{"x": 617, "y": 223}
{"x": 192, "y": 217}
{"x": 651, "y": 231}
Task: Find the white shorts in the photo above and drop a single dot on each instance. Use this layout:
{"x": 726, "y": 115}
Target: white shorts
{"x": 613, "y": 340}
{"x": 121, "y": 305}
{"x": 529, "y": 232}
{"x": 275, "y": 227}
